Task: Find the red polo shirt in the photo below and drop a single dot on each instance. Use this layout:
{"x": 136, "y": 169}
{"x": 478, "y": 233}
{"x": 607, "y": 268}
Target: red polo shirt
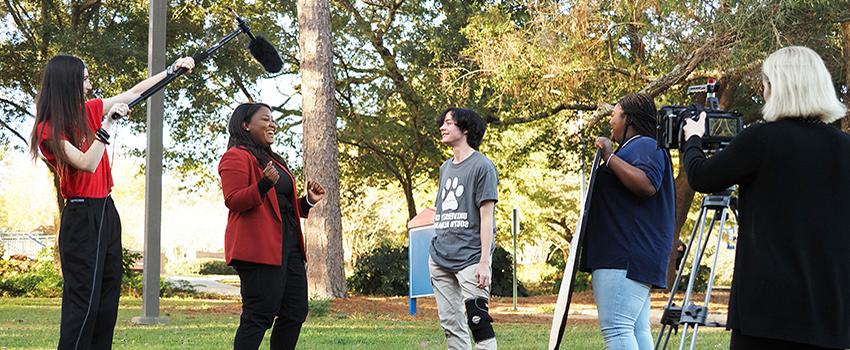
{"x": 73, "y": 182}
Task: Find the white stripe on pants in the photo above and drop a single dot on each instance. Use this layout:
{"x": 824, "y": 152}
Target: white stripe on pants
{"x": 452, "y": 290}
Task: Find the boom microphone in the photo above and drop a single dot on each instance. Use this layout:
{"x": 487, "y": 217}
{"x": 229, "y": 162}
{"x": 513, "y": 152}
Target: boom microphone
{"x": 261, "y": 49}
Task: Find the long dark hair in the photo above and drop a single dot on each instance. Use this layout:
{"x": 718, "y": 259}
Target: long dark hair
{"x": 640, "y": 114}
{"x": 60, "y": 105}
{"x": 241, "y": 138}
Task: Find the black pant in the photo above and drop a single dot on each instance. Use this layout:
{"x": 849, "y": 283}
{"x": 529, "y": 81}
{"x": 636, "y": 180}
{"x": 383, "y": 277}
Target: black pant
{"x": 745, "y": 342}
{"x": 91, "y": 268}
{"x": 272, "y": 294}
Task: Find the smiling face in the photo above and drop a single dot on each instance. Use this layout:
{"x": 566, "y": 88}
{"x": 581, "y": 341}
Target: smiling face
{"x": 617, "y": 123}
{"x": 450, "y": 134}
{"x": 261, "y": 127}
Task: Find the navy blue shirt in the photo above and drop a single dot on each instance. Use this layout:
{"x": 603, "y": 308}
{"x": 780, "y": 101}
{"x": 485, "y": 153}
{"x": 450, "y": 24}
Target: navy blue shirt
{"x": 625, "y": 231}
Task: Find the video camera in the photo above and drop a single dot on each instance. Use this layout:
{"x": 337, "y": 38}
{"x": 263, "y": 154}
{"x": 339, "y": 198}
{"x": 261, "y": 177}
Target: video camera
{"x": 721, "y": 126}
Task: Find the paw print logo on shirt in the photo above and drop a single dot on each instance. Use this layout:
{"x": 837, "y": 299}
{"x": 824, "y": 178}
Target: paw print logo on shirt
{"x": 451, "y": 191}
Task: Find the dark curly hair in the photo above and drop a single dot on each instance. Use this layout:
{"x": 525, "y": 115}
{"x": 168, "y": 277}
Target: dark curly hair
{"x": 640, "y": 114}
{"x": 467, "y": 120}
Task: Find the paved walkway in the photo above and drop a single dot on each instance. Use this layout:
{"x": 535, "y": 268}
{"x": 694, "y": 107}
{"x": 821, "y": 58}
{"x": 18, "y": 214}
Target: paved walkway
{"x": 209, "y": 284}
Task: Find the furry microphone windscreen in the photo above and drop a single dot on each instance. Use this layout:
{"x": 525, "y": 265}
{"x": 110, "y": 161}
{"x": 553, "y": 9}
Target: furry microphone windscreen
{"x": 266, "y": 54}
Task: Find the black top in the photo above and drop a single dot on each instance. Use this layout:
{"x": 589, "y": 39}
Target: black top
{"x": 792, "y": 264}
{"x": 283, "y": 191}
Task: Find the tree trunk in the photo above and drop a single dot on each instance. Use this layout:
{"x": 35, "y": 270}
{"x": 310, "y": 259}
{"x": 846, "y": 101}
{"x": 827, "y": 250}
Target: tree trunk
{"x": 845, "y": 28}
{"x": 323, "y": 230}
{"x": 407, "y": 187}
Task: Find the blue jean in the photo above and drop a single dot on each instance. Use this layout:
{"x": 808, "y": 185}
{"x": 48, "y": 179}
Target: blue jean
{"x": 623, "y": 308}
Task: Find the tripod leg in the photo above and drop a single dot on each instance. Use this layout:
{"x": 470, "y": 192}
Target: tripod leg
{"x": 702, "y": 245}
{"x": 698, "y": 255}
{"x": 684, "y": 337}
{"x": 667, "y": 338}
{"x": 723, "y": 216}
{"x": 660, "y": 336}
{"x": 678, "y": 279}
{"x": 694, "y": 337}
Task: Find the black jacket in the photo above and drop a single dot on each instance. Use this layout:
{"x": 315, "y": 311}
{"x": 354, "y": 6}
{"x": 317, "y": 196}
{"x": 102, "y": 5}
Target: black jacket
{"x": 792, "y": 264}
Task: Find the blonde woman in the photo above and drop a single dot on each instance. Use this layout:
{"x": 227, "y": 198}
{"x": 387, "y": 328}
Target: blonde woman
{"x": 791, "y": 285}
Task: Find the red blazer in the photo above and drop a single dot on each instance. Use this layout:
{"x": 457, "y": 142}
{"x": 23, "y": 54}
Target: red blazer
{"x": 254, "y": 230}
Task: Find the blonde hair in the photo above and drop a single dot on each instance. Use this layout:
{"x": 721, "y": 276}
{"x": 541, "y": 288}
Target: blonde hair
{"x": 800, "y": 86}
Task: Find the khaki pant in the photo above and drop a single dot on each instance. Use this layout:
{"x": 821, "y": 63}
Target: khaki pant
{"x": 452, "y": 290}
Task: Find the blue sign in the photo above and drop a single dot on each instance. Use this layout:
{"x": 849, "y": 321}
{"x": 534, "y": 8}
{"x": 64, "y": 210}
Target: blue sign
{"x": 418, "y": 253}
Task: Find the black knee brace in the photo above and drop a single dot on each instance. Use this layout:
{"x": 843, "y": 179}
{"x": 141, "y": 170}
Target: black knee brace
{"x": 479, "y": 320}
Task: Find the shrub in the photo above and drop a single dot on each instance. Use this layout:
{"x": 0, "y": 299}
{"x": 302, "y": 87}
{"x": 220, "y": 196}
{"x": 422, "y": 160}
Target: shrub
{"x": 502, "y": 278}
{"x": 384, "y": 271}
{"x": 21, "y": 276}
{"x": 381, "y": 271}
{"x": 132, "y": 280}
{"x": 700, "y": 282}
{"x": 216, "y": 267}
{"x": 319, "y": 307}
{"x": 556, "y": 259}
{"x": 181, "y": 289}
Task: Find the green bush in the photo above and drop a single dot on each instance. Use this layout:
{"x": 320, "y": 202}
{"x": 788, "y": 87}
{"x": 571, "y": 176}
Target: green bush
{"x": 384, "y": 271}
{"x": 556, "y": 259}
{"x": 503, "y": 279}
{"x": 179, "y": 289}
{"x": 700, "y": 282}
{"x": 131, "y": 280}
{"x": 21, "y": 276}
{"x": 381, "y": 271}
{"x": 216, "y": 267}
{"x": 319, "y": 307}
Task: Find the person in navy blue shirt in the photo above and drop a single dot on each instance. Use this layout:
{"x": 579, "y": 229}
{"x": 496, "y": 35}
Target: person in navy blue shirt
{"x": 630, "y": 224}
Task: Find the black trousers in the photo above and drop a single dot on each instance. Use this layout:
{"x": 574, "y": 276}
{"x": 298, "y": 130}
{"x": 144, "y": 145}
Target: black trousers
{"x": 745, "y": 342}
{"x": 91, "y": 268}
{"x": 272, "y": 296}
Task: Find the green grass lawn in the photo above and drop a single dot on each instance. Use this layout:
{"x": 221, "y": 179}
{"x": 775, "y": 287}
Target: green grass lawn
{"x": 210, "y": 324}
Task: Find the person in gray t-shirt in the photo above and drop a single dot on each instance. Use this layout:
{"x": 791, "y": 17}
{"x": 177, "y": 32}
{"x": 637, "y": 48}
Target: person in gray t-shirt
{"x": 466, "y": 227}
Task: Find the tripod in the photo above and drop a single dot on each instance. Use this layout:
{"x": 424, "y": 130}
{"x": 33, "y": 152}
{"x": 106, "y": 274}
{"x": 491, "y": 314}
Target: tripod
{"x": 689, "y": 314}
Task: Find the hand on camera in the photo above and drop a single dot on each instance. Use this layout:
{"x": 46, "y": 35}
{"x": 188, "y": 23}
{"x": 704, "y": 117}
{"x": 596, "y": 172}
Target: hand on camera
{"x": 694, "y": 127}
{"x": 270, "y": 173}
{"x": 605, "y": 145}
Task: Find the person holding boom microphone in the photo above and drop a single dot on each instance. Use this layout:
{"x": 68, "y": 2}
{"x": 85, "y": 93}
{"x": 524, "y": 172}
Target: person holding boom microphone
{"x": 791, "y": 283}
{"x": 72, "y": 135}
{"x": 263, "y": 239}
{"x": 630, "y": 224}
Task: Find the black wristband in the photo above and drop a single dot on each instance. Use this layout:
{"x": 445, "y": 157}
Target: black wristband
{"x": 101, "y": 140}
{"x": 102, "y": 133}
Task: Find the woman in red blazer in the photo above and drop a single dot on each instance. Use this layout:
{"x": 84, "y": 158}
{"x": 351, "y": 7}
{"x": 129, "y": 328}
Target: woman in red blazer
{"x": 263, "y": 239}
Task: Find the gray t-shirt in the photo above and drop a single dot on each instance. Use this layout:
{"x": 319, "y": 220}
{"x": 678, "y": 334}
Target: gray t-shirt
{"x": 463, "y": 187}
